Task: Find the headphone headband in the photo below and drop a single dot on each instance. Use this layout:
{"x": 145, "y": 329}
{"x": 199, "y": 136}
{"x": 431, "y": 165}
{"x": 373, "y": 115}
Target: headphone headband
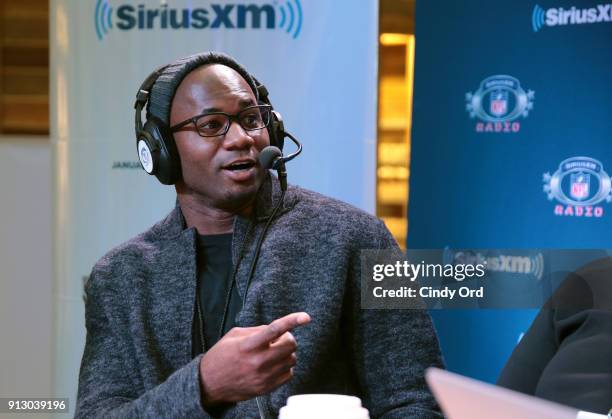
{"x": 143, "y": 94}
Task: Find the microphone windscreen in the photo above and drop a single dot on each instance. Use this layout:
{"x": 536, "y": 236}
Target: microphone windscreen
{"x": 268, "y": 156}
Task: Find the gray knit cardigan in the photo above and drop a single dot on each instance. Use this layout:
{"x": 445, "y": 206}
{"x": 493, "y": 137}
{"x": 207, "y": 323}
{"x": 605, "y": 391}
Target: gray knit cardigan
{"x": 140, "y": 305}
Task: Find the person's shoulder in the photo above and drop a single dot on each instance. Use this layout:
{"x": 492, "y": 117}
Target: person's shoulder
{"x": 585, "y": 288}
{"x": 324, "y": 211}
{"x": 126, "y": 253}
{"x": 599, "y": 267}
{"x": 131, "y": 256}
{"x": 330, "y": 207}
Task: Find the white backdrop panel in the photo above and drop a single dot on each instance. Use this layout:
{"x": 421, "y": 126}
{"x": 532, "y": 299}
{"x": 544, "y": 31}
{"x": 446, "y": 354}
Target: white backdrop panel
{"x": 319, "y": 63}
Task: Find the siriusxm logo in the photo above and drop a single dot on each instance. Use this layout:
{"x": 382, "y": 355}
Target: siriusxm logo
{"x": 286, "y": 17}
{"x": 573, "y": 16}
{"x": 527, "y": 263}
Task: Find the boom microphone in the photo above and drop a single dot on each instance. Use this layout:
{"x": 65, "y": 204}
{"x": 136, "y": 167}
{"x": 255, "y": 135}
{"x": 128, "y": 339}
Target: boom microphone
{"x": 272, "y": 158}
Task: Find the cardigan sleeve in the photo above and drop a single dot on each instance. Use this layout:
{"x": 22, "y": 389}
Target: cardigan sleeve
{"x": 392, "y": 349}
{"x": 105, "y": 385}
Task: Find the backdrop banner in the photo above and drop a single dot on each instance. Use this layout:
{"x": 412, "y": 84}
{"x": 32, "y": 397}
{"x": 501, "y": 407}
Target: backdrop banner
{"x": 318, "y": 59}
{"x": 510, "y": 145}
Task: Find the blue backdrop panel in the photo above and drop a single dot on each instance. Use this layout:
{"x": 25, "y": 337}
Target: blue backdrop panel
{"x": 511, "y": 144}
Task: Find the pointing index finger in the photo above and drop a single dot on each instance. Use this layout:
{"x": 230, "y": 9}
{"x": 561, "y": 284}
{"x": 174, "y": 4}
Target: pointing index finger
{"x": 276, "y": 329}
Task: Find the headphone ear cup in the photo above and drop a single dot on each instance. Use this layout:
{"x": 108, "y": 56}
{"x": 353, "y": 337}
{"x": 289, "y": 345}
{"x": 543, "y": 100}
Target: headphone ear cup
{"x": 168, "y": 164}
{"x": 148, "y": 152}
{"x": 276, "y": 130}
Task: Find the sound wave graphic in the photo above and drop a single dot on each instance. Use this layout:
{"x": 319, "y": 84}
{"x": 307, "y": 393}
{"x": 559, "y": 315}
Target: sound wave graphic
{"x": 291, "y": 19}
{"x": 537, "y": 18}
{"x": 102, "y": 18}
{"x": 537, "y": 266}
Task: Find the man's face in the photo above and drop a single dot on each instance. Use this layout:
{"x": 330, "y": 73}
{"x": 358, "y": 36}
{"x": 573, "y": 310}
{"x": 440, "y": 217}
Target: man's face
{"x": 207, "y": 161}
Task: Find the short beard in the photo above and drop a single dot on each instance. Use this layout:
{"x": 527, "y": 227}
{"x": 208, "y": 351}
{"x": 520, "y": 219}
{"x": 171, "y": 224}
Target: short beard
{"x": 238, "y": 203}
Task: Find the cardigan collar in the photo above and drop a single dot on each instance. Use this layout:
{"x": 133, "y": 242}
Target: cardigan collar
{"x": 269, "y": 193}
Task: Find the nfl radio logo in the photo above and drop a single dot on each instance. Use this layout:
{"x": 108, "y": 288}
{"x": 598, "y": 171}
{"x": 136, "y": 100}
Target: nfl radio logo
{"x": 580, "y": 183}
{"x": 499, "y": 102}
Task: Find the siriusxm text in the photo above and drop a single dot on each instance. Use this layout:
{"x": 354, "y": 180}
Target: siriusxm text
{"x": 575, "y": 16}
{"x": 216, "y": 16}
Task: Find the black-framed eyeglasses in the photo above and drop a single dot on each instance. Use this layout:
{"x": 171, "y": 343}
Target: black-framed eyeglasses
{"x": 214, "y": 124}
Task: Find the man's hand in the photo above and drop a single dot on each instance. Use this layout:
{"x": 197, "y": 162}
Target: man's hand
{"x": 251, "y": 361}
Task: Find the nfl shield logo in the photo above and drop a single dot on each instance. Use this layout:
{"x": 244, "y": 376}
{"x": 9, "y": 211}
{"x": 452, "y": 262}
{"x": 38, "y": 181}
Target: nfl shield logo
{"x": 499, "y": 102}
{"x": 580, "y": 183}
{"x": 144, "y": 156}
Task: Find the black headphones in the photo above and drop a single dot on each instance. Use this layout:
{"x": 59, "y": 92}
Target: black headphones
{"x": 155, "y": 143}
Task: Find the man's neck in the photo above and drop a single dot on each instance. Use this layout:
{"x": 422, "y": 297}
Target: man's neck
{"x": 208, "y": 219}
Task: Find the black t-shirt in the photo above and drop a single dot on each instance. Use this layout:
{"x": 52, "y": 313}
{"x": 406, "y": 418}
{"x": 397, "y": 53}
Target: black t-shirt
{"x": 214, "y": 264}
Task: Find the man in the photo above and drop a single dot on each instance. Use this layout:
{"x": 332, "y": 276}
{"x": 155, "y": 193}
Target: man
{"x": 264, "y": 282}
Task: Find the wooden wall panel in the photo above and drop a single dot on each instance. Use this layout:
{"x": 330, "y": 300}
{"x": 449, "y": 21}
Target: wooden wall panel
{"x": 24, "y": 67}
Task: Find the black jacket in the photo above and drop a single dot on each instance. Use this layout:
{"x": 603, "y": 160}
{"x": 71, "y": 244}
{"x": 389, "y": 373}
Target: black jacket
{"x": 566, "y": 355}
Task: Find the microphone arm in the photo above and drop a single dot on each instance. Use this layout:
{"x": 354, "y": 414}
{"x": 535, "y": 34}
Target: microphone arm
{"x": 272, "y": 157}
{"x": 295, "y": 153}
{"x": 281, "y": 171}
{"x": 279, "y": 162}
